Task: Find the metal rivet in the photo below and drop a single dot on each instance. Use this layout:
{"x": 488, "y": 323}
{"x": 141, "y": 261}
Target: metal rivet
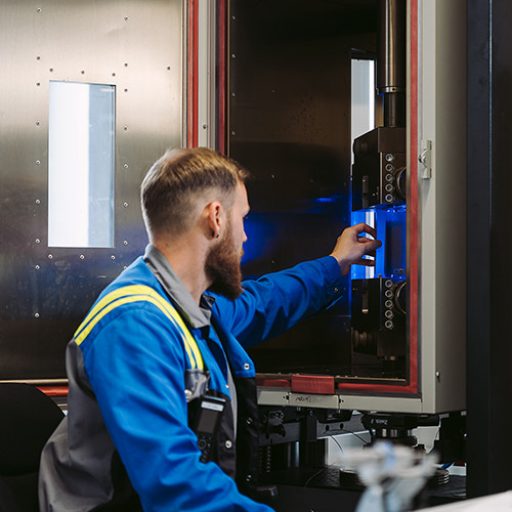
{"x": 438, "y": 375}
{"x": 112, "y": 257}
{"x": 36, "y": 315}
{"x": 126, "y": 90}
{"x": 233, "y": 56}
{"x": 168, "y": 68}
{"x": 205, "y": 126}
{"x": 51, "y": 70}
{"x": 37, "y": 241}
{"x": 125, "y": 205}
{"x": 233, "y": 94}
{"x": 126, "y": 18}
{"x": 38, "y": 201}
{"x": 38, "y": 84}
{"x": 125, "y": 128}
{"x": 82, "y": 257}
{"x": 83, "y": 72}
{"x": 228, "y": 444}
{"x": 113, "y": 74}
{"x": 37, "y": 123}
{"x": 126, "y": 64}
{"x": 50, "y": 256}
{"x": 38, "y": 162}
{"x": 125, "y": 166}
{"x": 249, "y": 421}
{"x": 37, "y": 267}
{"x": 233, "y": 132}
{"x": 125, "y": 242}
{"x": 38, "y": 58}
{"x": 38, "y": 9}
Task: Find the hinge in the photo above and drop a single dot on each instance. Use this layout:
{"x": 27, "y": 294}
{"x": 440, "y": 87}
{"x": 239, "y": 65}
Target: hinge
{"x": 425, "y": 159}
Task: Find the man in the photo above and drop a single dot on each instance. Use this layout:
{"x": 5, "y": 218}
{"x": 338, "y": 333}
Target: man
{"x": 162, "y": 400}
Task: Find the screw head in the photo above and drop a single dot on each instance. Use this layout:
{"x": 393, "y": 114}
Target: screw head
{"x": 50, "y": 256}
{"x": 36, "y": 315}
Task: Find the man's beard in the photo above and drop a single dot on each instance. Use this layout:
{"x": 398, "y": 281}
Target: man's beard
{"x": 222, "y": 267}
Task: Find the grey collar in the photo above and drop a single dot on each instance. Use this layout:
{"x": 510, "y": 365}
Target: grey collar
{"x": 194, "y": 315}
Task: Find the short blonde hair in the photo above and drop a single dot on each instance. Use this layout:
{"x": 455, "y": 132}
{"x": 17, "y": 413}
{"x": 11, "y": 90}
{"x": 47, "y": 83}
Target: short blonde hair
{"x": 177, "y": 179}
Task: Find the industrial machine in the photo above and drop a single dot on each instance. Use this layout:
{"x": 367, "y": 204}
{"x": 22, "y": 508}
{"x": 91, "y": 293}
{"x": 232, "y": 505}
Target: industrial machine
{"x": 395, "y": 341}
{"x": 342, "y": 110}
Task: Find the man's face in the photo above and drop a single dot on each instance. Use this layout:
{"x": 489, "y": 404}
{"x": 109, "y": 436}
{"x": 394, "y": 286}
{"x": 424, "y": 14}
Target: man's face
{"x": 223, "y": 261}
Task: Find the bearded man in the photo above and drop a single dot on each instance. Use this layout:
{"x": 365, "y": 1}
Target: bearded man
{"x": 162, "y": 411}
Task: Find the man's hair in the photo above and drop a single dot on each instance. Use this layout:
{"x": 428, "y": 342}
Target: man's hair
{"x": 174, "y": 183}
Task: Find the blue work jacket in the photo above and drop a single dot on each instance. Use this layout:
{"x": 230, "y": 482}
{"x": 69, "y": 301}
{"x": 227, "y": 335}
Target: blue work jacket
{"x": 130, "y": 370}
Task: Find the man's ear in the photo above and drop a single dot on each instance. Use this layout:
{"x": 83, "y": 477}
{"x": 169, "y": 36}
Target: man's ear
{"x": 214, "y": 217}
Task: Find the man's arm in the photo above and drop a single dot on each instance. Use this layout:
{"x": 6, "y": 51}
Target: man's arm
{"x": 276, "y": 302}
{"x": 136, "y": 366}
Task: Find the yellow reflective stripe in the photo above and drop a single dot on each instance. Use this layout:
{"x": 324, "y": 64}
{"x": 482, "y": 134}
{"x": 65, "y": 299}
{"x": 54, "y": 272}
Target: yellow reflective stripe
{"x": 137, "y": 293}
{"x": 127, "y": 300}
{"x": 135, "y": 289}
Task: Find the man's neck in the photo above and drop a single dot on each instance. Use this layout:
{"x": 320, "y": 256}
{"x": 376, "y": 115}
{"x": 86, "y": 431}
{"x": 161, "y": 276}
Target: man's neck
{"x": 187, "y": 260}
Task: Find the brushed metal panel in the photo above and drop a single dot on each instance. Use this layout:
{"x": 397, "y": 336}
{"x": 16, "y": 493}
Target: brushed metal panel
{"x": 135, "y": 46}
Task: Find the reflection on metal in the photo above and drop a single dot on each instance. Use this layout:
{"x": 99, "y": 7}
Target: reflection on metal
{"x": 136, "y": 47}
{"x": 81, "y": 164}
{"x": 391, "y": 61}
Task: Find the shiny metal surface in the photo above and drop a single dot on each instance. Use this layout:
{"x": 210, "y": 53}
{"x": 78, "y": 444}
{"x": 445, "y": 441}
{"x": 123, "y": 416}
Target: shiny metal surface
{"x": 136, "y": 46}
{"x": 391, "y": 61}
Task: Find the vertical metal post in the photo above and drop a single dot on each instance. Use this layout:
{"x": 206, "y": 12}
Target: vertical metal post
{"x": 489, "y": 351}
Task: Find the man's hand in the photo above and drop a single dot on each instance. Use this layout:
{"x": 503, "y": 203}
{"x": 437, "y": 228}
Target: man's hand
{"x": 351, "y": 247}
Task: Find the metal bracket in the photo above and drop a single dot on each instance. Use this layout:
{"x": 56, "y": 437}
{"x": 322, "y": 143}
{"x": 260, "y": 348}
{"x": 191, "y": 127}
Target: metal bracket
{"x": 425, "y": 159}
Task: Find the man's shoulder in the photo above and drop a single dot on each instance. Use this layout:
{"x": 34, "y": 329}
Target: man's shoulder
{"x": 135, "y": 291}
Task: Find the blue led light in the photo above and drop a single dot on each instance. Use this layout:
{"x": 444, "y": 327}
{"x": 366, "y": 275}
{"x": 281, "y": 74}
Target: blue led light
{"x": 390, "y": 259}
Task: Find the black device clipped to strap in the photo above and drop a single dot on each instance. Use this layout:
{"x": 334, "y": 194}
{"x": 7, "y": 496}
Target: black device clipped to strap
{"x": 205, "y": 413}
